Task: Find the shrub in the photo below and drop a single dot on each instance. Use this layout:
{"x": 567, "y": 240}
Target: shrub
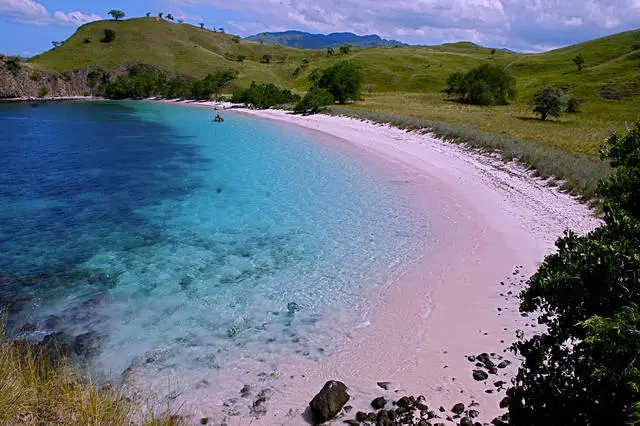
{"x": 14, "y": 64}
{"x": 314, "y": 101}
{"x": 264, "y": 96}
{"x": 44, "y": 91}
{"x": 573, "y": 105}
{"x": 579, "y": 61}
{"x": 483, "y": 85}
{"x": 549, "y": 102}
{"x": 109, "y": 35}
{"x": 235, "y": 39}
{"x": 582, "y": 370}
{"x": 86, "y": 40}
{"x": 345, "y": 49}
{"x": 212, "y": 84}
{"x": 343, "y": 80}
{"x": 241, "y": 58}
{"x": 266, "y": 59}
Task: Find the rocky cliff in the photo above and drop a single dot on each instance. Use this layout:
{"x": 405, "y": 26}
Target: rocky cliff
{"x": 18, "y": 79}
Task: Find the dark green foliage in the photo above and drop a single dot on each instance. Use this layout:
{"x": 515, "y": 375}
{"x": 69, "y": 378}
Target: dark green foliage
{"x": 345, "y": 49}
{"x": 43, "y": 92}
{"x": 331, "y": 51}
{"x": 235, "y": 39}
{"x": 483, "y": 85}
{"x": 14, "y": 64}
{"x": 212, "y": 84}
{"x": 109, "y": 35}
{"x": 264, "y": 96}
{"x": 343, "y": 80}
{"x": 241, "y": 58}
{"x": 86, "y": 40}
{"x": 116, "y": 14}
{"x": 583, "y": 370}
{"x": 266, "y": 59}
{"x": 170, "y": 17}
{"x": 579, "y": 61}
{"x": 96, "y": 75}
{"x": 314, "y": 101}
{"x": 573, "y": 105}
{"x": 549, "y": 102}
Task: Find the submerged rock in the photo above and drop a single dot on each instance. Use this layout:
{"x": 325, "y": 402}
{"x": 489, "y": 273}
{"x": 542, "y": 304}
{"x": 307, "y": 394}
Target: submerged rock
{"x": 329, "y": 401}
{"x": 88, "y": 345}
{"x": 57, "y": 346}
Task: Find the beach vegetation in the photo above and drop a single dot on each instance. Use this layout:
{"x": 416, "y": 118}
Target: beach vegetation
{"x": 549, "y": 102}
{"x": 109, "y": 35}
{"x": 314, "y": 101}
{"x": 116, "y": 14}
{"x": 212, "y": 84}
{"x": 579, "y": 61}
{"x": 14, "y": 64}
{"x": 484, "y": 85}
{"x": 263, "y": 96}
{"x": 43, "y": 91}
{"x": 343, "y": 80}
{"x": 583, "y": 369}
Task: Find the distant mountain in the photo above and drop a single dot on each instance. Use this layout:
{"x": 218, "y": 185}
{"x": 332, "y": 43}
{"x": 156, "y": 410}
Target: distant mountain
{"x": 302, "y": 40}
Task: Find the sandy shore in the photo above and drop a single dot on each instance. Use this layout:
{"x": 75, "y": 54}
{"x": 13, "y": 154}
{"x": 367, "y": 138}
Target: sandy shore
{"x": 494, "y": 221}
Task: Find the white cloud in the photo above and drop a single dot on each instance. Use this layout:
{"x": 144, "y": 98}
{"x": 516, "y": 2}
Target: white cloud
{"x": 32, "y": 12}
{"x": 520, "y": 24}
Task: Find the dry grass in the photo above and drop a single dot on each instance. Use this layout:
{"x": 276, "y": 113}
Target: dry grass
{"x": 33, "y": 391}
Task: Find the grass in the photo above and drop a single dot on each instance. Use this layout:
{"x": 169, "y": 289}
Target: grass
{"x": 578, "y": 172}
{"x": 33, "y": 391}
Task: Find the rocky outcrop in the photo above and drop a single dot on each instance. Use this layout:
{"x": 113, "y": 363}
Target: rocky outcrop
{"x": 19, "y": 80}
{"x": 329, "y": 401}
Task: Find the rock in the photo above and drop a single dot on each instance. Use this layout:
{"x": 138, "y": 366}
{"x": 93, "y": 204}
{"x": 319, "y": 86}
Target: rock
{"x": 347, "y": 408}
{"x": 458, "y": 408}
{"x": 505, "y": 402}
{"x": 29, "y": 328}
{"x": 379, "y": 403}
{"x": 466, "y": 421}
{"x": 204, "y": 420}
{"x": 499, "y": 384}
{"x": 442, "y": 410}
{"x": 352, "y": 422}
{"x": 87, "y": 345}
{"x": 292, "y": 307}
{"x": 372, "y": 417}
{"x": 245, "y": 391}
{"x": 329, "y": 401}
{"x": 504, "y": 364}
{"x": 57, "y": 347}
{"x": 361, "y": 416}
{"x": 471, "y": 358}
{"x": 404, "y": 402}
{"x": 480, "y": 375}
{"x": 473, "y": 413}
{"x": 384, "y": 385}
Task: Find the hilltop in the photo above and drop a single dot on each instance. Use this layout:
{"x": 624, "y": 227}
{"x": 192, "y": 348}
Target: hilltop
{"x": 404, "y": 80}
{"x": 304, "y": 40}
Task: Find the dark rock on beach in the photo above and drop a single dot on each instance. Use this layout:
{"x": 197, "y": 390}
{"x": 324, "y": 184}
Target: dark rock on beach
{"x": 458, "y": 408}
{"x": 379, "y": 403}
{"x": 384, "y": 385}
{"x": 480, "y": 375}
{"x": 329, "y": 401}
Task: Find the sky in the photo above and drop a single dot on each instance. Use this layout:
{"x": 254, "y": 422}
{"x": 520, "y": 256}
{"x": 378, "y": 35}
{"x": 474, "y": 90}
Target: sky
{"x": 28, "y": 27}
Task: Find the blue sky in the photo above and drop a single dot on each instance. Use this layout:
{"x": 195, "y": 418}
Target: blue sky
{"x": 28, "y": 27}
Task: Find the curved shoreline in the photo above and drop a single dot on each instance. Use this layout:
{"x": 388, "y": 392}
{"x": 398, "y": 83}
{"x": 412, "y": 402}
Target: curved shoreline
{"x": 496, "y": 216}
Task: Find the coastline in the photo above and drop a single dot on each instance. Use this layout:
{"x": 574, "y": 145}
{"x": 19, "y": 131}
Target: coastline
{"x": 50, "y": 99}
{"x": 499, "y": 222}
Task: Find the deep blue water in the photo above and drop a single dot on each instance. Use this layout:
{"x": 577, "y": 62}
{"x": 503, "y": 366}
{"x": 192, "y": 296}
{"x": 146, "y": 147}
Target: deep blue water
{"x": 190, "y": 246}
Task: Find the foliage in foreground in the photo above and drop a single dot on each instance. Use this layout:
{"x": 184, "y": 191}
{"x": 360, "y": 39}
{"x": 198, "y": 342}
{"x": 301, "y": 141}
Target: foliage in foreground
{"x": 584, "y": 369}
{"x": 264, "y": 96}
{"x": 484, "y": 85}
{"x": 35, "y": 389}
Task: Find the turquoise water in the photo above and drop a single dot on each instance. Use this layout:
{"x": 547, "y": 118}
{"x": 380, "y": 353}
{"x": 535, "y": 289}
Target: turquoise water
{"x": 191, "y": 246}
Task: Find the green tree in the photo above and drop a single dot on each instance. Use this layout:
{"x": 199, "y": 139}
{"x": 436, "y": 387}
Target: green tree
{"x": 266, "y": 59}
{"x": 343, "y": 80}
{"x": 583, "y": 369}
{"x": 160, "y": 15}
{"x": 109, "y": 35}
{"x": 579, "y": 61}
{"x": 314, "y": 101}
{"x": 331, "y": 51}
{"x": 14, "y": 64}
{"x": 201, "y": 25}
{"x": 147, "y": 14}
{"x": 170, "y": 17}
{"x": 345, "y": 49}
{"x": 549, "y": 102}
{"x": 264, "y": 96}
{"x": 484, "y": 85}
{"x": 212, "y": 84}
{"x": 116, "y": 14}
{"x": 573, "y": 105}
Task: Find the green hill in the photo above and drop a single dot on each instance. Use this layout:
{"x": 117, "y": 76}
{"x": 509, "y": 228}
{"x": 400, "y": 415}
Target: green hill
{"x": 405, "y": 80}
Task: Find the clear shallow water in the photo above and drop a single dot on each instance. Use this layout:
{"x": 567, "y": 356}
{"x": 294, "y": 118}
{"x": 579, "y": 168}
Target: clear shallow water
{"x": 193, "y": 248}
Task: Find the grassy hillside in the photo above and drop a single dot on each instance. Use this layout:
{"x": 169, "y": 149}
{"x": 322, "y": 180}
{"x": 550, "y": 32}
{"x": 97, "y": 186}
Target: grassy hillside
{"x": 404, "y": 80}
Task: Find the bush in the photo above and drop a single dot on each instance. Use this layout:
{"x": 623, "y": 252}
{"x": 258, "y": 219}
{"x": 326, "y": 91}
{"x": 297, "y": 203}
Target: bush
{"x": 264, "y": 96}
{"x": 43, "y": 92}
{"x": 549, "y": 102}
{"x": 582, "y": 370}
{"x": 573, "y": 105}
{"x": 14, "y": 64}
{"x": 109, "y": 35}
{"x": 343, "y": 80}
{"x": 314, "y": 101}
{"x": 266, "y": 59}
{"x": 483, "y": 85}
{"x": 212, "y": 84}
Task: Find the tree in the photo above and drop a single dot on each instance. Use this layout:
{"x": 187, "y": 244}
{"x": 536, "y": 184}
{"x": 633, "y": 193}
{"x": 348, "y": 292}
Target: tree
{"x": 493, "y": 53}
{"x": 109, "y": 35}
{"x": 331, "y": 51}
{"x": 56, "y": 44}
{"x": 573, "y": 105}
{"x": 14, "y": 64}
{"x": 212, "y": 84}
{"x": 201, "y": 25}
{"x": 549, "y": 102}
{"x": 343, "y": 80}
{"x": 579, "y": 61}
{"x": 314, "y": 101}
{"x": 221, "y": 30}
{"x": 170, "y": 17}
{"x": 266, "y": 59}
{"x": 583, "y": 368}
{"x": 116, "y": 14}
{"x": 241, "y": 58}
{"x": 345, "y": 49}
{"x": 147, "y": 14}
{"x": 263, "y": 96}
{"x": 160, "y": 15}
{"x": 483, "y": 85}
